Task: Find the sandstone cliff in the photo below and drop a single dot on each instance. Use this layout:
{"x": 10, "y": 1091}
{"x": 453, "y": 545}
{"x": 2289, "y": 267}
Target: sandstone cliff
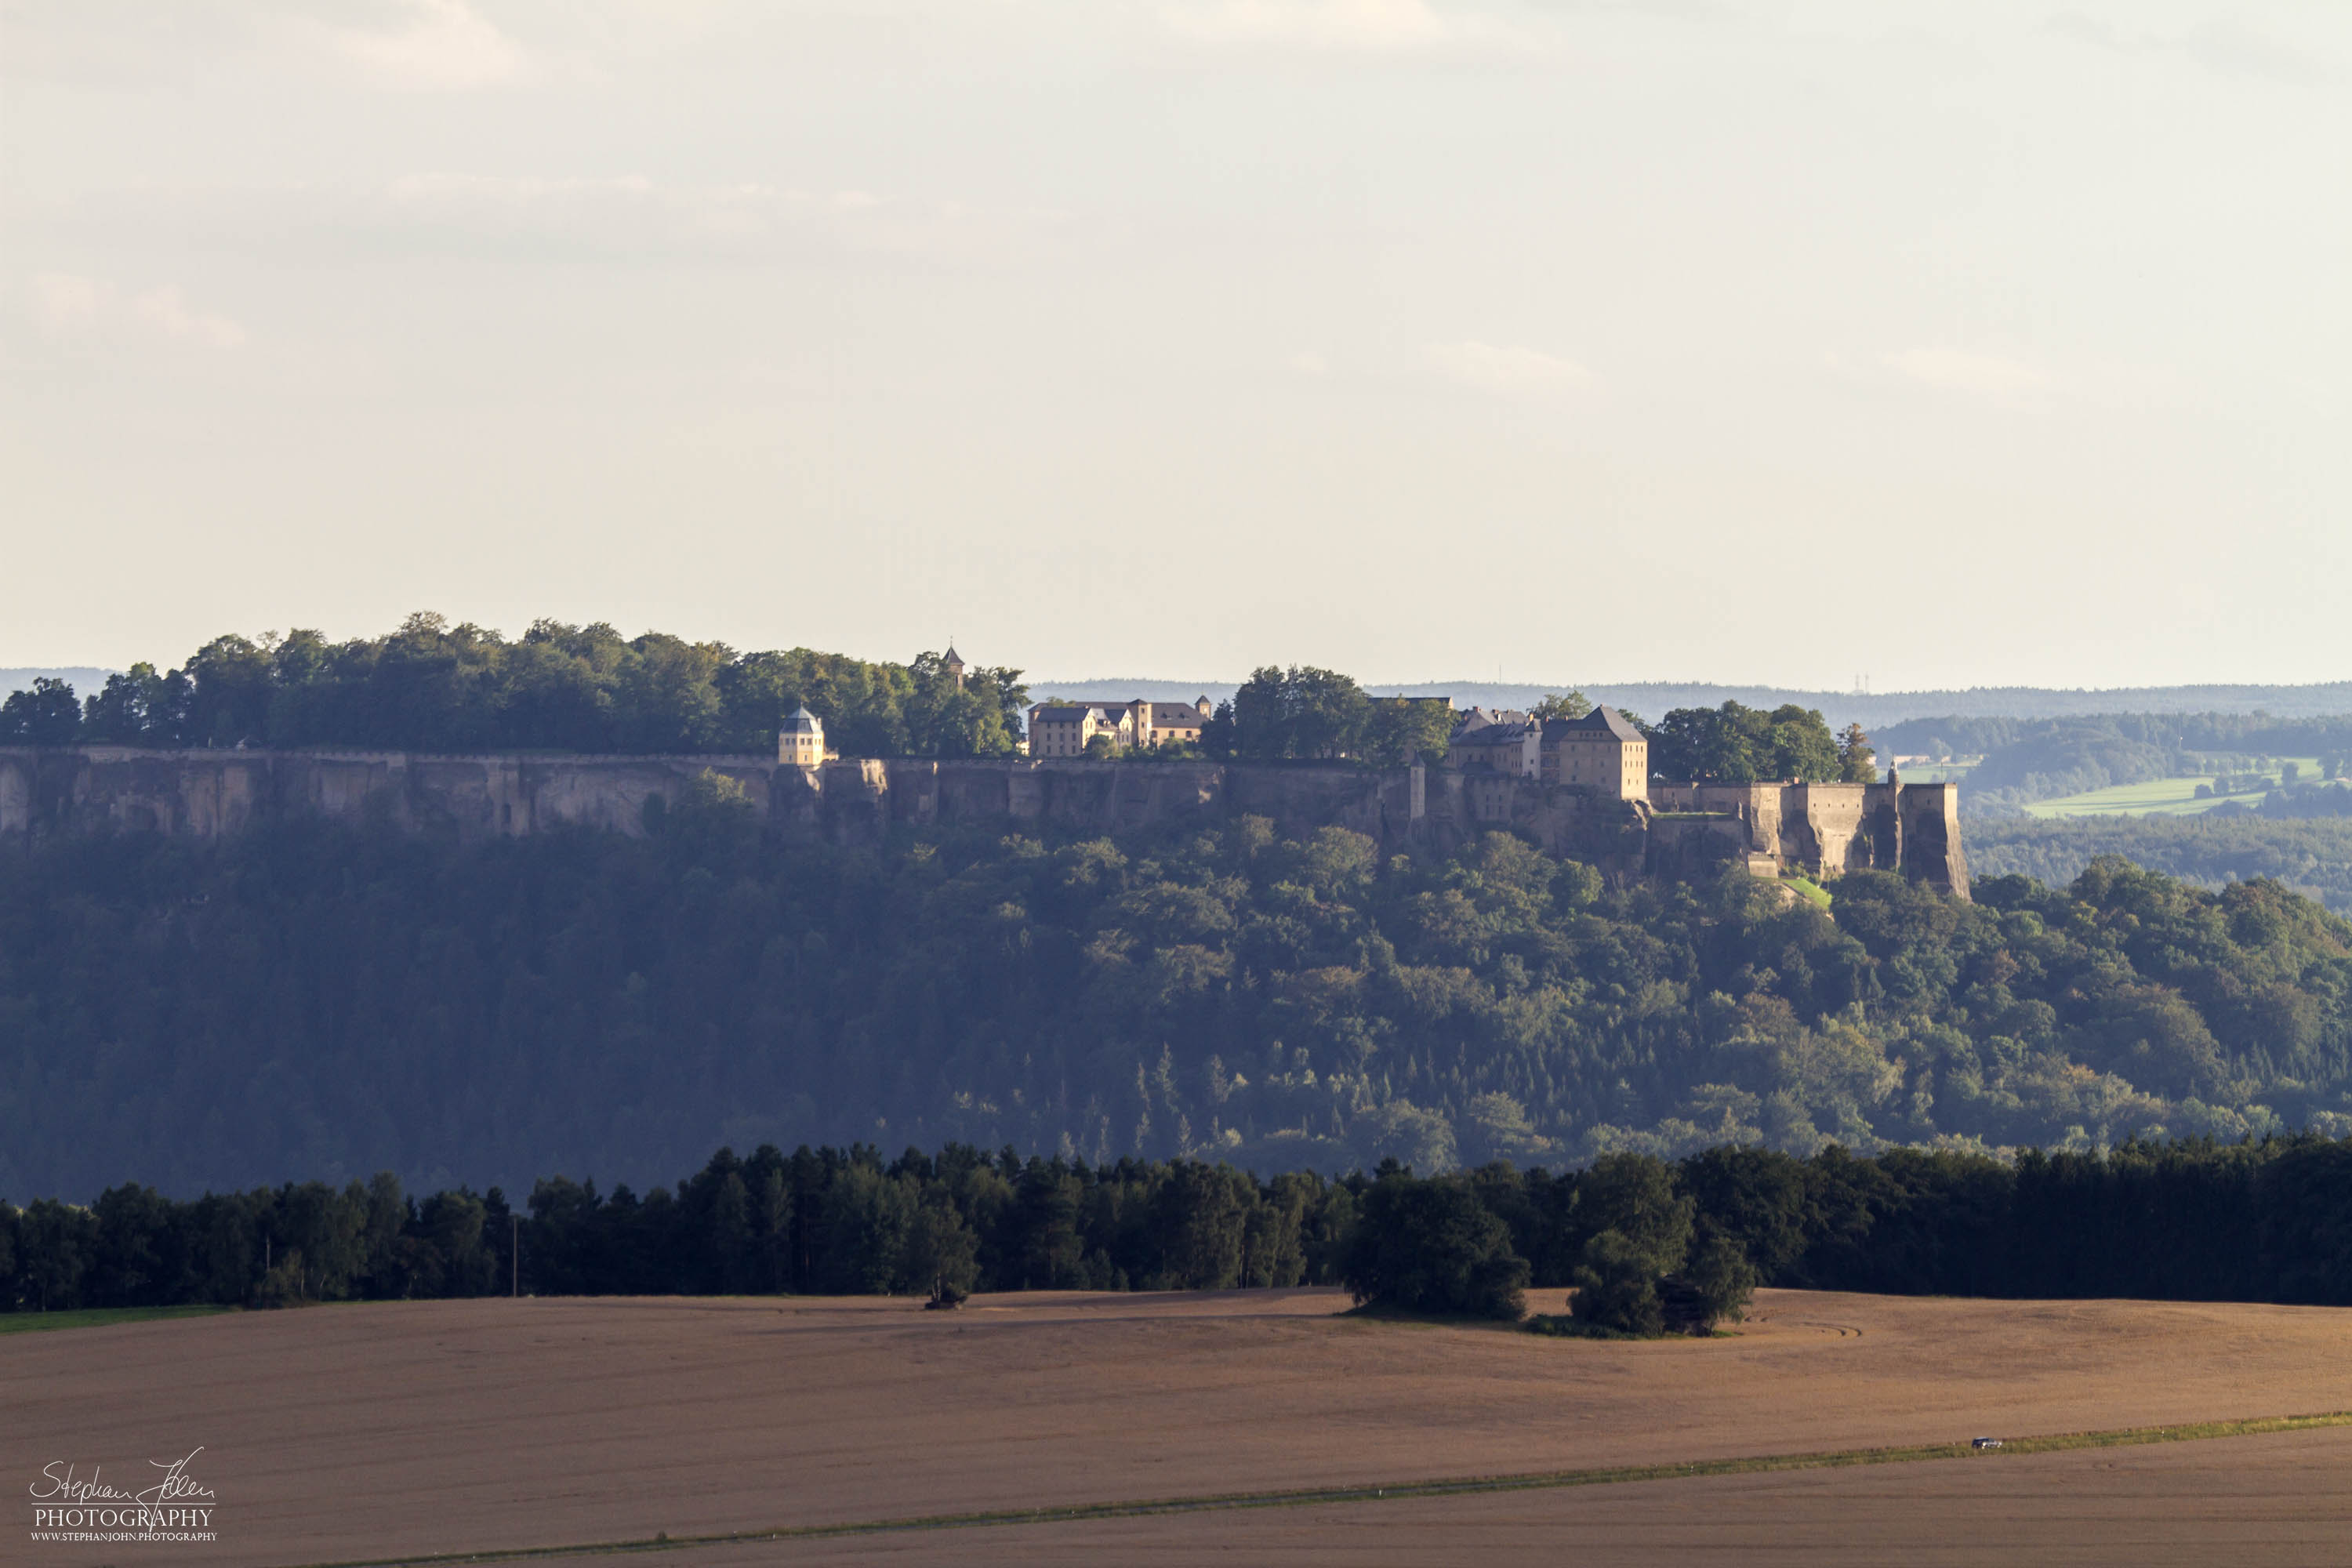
{"x": 1682, "y": 830}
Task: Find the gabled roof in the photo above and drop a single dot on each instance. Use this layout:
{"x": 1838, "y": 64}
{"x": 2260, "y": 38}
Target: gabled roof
{"x": 1508, "y": 734}
{"x": 1603, "y": 717}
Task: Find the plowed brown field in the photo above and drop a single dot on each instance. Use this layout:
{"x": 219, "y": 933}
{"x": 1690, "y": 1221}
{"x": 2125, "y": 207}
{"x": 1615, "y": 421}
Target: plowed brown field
{"x": 401, "y": 1429}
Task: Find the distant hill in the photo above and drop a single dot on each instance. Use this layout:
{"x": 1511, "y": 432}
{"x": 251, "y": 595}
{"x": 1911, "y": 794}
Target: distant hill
{"x": 1871, "y": 710}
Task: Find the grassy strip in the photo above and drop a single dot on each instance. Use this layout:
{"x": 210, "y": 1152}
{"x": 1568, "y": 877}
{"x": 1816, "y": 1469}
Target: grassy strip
{"x": 2119, "y": 1437}
{"x": 1805, "y": 888}
{"x": 96, "y": 1317}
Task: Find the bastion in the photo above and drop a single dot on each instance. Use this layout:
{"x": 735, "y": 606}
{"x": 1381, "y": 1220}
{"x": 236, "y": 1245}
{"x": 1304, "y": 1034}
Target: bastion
{"x": 1680, "y": 830}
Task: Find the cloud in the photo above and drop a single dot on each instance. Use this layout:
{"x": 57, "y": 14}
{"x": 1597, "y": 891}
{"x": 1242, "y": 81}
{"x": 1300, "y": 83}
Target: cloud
{"x": 1338, "y": 27}
{"x": 1967, "y": 371}
{"x": 1514, "y": 370}
{"x": 64, "y": 305}
{"x": 163, "y": 310}
{"x": 632, "y": 216}
{"x": 436, "y": 46}
{"x": 2219, "y": 45}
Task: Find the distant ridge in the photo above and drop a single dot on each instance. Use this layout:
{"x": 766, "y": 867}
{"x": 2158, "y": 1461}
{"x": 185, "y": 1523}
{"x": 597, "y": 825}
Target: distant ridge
{"x": 1870, "y": 710}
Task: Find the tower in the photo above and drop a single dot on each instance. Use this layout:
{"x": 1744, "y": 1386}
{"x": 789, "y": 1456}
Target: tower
{"x": 801, "y": 743}
{"x": 953, "y": 665}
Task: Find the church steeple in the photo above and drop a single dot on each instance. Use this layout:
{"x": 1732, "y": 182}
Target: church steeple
{"x": 953, "y": 665}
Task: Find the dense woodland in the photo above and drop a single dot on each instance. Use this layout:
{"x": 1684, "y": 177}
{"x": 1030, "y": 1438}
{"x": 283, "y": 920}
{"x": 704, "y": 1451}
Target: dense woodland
{"x": 339, "y": 1001}
{"x": 1737, "y": 744}
{"x": 1636, "y": 1235}
{"x": 2212, "y": 850}
{"x": 432, "y": 687}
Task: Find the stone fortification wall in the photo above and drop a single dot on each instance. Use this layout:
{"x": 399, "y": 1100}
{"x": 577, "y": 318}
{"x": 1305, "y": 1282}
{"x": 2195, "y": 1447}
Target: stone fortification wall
{"x": 1827, "y": 830}
{"x": 1681, "y": 830}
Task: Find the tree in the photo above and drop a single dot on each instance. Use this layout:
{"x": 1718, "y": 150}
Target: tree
{"x": 1301, "y": 712}
{"x": 1220, "y": 735}
{"x": 1706, "y": 746}
{"x": 1328, "y": 712}
{"x": 1633, "y": 1196}
{"x": 46, "y": 715}
{"x": 1429, "y": 1246}
{"x": 1259, "y": 715}
{"x": 942, "y": 1254}
{"x": 54, "y": 1246}
{"x": 976, "y": 718}
{"x": 1719, "y": 1282}
{"x": 1752, "y": 1197}
{"x": 1738, "y": 744}
{"x": 1800, "y": 746}
{"x": 1560, "y": 705}
{"x": 1617, "y": 1289}
{"x": 128, "y": 711}
{"x": 1857, "y": 762}
{"x": 1399, "y": 729}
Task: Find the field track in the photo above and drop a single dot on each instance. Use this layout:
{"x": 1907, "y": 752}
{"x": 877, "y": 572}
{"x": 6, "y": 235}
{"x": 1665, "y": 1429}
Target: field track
{"x": 403, "y": 1431}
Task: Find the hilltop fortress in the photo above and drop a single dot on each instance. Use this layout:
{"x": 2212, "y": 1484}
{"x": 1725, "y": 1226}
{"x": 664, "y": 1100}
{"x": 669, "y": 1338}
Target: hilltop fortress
{"x": 1577, "y": 787}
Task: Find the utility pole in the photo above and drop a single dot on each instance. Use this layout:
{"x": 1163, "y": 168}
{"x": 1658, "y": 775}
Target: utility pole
{"x": 514, "y": 1256}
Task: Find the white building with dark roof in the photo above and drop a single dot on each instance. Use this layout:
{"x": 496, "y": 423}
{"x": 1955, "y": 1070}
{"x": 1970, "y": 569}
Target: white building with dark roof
{"x": 801, "y": 743}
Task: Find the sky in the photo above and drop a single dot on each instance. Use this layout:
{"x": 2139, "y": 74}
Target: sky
{"x": 1794, "y": 343}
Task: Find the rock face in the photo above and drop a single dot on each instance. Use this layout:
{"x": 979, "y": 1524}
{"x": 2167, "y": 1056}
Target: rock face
{"x": 1682, "y": 830}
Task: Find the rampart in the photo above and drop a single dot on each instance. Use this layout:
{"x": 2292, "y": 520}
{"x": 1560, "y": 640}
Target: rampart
{"x": 1682, "y": 830}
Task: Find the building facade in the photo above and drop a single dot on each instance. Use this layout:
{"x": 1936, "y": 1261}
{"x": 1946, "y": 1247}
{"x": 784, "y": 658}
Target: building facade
{"x": 1511, "y": 746}
{"x": 801, "y": 743}
{"x": 1064, "y": 729}
{"x": 1600, "y": 751}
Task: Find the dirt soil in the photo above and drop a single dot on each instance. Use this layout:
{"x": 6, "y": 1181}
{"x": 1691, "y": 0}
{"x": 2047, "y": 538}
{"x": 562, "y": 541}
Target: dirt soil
{"x": 367, "y": 1431}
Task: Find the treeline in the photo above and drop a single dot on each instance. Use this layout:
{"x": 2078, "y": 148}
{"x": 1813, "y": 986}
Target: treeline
{"x": 2026, "y": 760}
{"x": 1304, "y": 713}
{"x": 1636, "y": 1235}
{"x": 2247, "y": 733}
{"x": 2212, "y": 850}
{"x": 343, "y": 1000}
{"x": 432, "y": 687}
{"x": 1307, "y": 713}
{"x": 1738, "y": 744}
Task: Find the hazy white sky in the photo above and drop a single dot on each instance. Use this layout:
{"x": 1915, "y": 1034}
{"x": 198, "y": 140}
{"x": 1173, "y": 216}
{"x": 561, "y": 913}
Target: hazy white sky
{"x": 1956, "y": 344}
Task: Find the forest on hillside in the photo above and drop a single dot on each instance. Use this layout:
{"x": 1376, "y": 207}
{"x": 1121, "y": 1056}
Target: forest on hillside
{"x": 2311, "y": 856}
{"x": 337, "y": 1001}
{"x": 2026, "y": 760}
